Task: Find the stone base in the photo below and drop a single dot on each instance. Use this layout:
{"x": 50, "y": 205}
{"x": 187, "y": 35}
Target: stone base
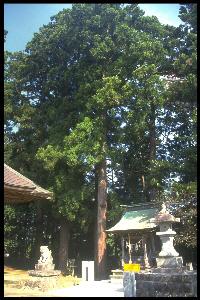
{"x": 166, "y": 285}
{"x": 41, "y": 283}
{"x": 47, "y": 266}
{"x": 169, "y": 262}
{"x": 38, "y": 273}
{"x": 169, "y": 270}
{"x": 160, "y": 285}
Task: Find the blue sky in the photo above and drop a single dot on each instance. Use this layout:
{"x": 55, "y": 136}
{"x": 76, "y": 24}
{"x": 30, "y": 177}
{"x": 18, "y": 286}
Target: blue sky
{"x": 22, "y": 20}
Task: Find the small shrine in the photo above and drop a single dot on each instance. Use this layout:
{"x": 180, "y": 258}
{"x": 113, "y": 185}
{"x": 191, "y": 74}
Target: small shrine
{"x": 169, "y": 278}
{"x": 138, "y": 235}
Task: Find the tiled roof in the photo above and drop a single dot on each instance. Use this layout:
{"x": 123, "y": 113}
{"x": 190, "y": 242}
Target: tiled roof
{"x": 14, "y": 178}
{"x": 135, "y": 220}
{"x": 18, "y": 188}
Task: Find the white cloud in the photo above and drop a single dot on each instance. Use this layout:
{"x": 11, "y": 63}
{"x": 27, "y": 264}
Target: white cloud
{"x": 166, "y": 13}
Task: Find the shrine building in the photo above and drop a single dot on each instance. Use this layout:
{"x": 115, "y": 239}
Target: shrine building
{"x": 139, "y": 242}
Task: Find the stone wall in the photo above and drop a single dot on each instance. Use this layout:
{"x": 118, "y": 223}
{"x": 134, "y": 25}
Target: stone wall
{"x": 160, "y": 284}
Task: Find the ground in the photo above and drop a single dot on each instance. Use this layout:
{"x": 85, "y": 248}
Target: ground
{"x": 101, "y": 288}
{"x": 68, "y": 286}
{"x": 14, "y": 277}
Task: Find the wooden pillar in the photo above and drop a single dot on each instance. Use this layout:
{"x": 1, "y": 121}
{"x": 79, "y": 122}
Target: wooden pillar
{"x": 144, "y": 243}
{"x": 153, "y": 244}
{"x": 122, "y": 245}
{"x": 129, "y": 248}
{"x": 153, "y": 252}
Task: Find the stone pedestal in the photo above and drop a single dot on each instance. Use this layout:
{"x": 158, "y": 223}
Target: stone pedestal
{"x": 44, "y": 276}
{"x": 169, "y": 262}
{"x": 43, "y": 283}
{"x": 44, "y": 267}
{"x": 38, "y": 273}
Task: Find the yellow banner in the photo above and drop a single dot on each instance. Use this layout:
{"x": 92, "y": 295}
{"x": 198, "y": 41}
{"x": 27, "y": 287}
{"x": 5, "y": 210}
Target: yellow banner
{"x": 132, "y": 267}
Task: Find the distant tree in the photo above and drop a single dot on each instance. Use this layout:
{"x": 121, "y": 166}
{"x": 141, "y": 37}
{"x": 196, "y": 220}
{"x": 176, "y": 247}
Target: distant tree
{"x": 188, "y": 14}
{"x": 5, "y": 34}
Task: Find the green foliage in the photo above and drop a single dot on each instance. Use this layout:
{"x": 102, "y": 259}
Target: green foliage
{"x": 49, "y": 156}
{"x": 82, "y": 145}
{"x": 188, "y": 14}
{"x": 16, "y": 236}
{"x": 185, "y": 198}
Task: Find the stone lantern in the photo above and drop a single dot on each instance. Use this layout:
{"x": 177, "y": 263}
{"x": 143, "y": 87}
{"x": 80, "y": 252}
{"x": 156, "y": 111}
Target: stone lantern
{"x": 168, "y": 257}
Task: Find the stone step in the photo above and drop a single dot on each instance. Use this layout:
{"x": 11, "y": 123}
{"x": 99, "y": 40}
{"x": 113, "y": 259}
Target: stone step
{"x": 116, "y": 281}
{"x": 117, "y": 271}
{"x": 116, "y": 276}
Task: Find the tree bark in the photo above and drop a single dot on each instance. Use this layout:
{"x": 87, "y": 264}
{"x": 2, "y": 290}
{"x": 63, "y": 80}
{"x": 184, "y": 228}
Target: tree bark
{"x": 39, "y": 230}
{"x": 152, "y": 134}
{"x": 100, "y": 247}
{"x": 64, "y": 244}
{"x": 152, "y": 149}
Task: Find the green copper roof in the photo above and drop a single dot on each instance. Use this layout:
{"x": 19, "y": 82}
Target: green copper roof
{"x": 134, "y": 220}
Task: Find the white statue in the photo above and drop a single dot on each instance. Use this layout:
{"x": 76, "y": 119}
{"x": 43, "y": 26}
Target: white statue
{"x": 45, "y": 255}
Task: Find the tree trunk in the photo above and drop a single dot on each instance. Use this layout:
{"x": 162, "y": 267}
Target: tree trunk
{"x": 39, "y": 231}
{"x": 152, "y": 134}
{"x": 100, "y": 247}
{"x": 64, "y": 244}
{"x": 152, "y": 149}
